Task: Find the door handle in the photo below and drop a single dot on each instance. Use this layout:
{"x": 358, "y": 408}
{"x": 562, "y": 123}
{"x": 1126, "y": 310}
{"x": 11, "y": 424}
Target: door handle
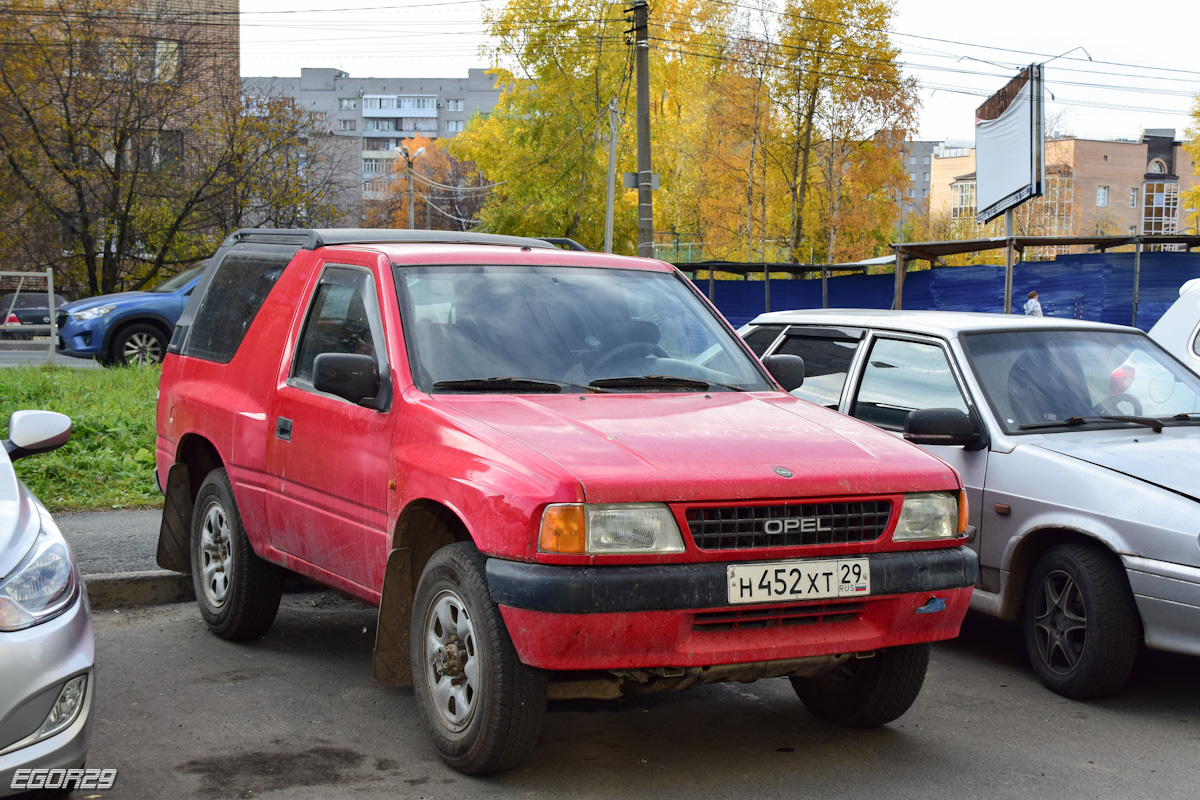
{"x": 283, "y": 429}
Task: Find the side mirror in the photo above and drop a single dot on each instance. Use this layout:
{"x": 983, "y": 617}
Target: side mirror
{"x": 943, "y": 426}
{"x": 787, "y": 369}
{"x": 31, "y": 432}
{"x": 350, "y": 376}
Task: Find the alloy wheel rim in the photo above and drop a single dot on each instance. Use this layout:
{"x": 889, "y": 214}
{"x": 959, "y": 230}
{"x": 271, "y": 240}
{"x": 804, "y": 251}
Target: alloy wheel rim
{"x": 1060, "y": 622}
{"x": 143, "y": 348}
{"x": 216, "y": 555}
{"x": 452, "y": 668}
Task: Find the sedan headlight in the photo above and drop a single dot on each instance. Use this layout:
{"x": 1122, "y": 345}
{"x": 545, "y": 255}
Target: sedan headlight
{"x": 931, "y": 515}
{"x": 42, "y": 586}
{"x": 617, "y": 528}
{"x": 92, "y": 313}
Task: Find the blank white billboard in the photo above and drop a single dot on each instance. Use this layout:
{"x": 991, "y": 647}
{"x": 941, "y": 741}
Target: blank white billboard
{"x": 1010, "y": 157}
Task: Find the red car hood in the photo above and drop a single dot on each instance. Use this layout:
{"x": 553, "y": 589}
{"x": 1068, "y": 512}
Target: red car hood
{"x": 695, "y": 447}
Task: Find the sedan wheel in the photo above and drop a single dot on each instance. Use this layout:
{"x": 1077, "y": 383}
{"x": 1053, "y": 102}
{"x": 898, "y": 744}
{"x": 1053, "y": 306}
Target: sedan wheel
{"x": 1081, "y": 624}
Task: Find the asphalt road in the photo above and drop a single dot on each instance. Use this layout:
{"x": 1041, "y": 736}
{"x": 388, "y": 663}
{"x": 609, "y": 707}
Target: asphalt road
{"x": 14, "y": 354}
{"x": 295, "y": 714}
{"x": 112, "y": 541}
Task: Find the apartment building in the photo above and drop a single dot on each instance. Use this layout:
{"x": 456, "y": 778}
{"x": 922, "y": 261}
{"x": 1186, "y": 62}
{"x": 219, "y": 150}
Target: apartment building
{"x": 1092, "y": 187}
{"x": 379, "y": 114}
{"x": 918, "y": 161}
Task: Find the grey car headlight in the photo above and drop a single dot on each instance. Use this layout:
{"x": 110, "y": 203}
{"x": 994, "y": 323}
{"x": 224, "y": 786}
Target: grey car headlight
{"x": 92, "y": 313}
{"x": 928, "y": 515}
{"x": 613, "y": 528}
{"x": 42, "y": 586}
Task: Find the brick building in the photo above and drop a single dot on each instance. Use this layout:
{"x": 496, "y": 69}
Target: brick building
{"x": 1093, "y": 186}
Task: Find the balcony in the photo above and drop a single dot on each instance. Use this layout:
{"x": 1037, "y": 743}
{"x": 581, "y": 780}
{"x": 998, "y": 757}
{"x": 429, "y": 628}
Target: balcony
{"x": 404, "y": 105}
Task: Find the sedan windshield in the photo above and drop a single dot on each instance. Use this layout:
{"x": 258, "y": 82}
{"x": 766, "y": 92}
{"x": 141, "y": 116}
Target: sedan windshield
{"x": 522, "y": 329}
{"x": 1064, "y": 379}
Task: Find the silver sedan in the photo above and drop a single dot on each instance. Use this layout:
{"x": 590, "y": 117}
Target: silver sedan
{"x": 1079, "y": 445}
{"x": 47, "y": 654}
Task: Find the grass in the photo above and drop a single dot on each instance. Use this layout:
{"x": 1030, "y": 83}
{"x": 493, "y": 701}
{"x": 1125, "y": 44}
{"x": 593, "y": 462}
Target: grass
{"x": 109, "y": 462}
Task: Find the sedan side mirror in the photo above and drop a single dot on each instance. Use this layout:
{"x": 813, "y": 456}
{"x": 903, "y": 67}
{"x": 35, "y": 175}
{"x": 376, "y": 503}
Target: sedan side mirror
{"x": 31, "y": 432}
{"x": 787, "y": 369}
{"x": 943, "y": 426}
{"x": 350, "y": 376}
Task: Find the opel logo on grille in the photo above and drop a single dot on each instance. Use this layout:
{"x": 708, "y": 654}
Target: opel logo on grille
{"x": 784, "y": 472}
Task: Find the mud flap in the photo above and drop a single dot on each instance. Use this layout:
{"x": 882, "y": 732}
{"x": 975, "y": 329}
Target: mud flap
{"x": 391, "y": 665}
{"x": 175, "y": 532}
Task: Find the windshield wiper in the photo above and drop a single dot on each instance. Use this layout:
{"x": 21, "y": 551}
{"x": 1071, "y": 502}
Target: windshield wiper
{"x": 1185, "y": 417}
{"x": 504, "y": 385}
{"x": 1072, "y": 422}
{"x": 650, "y": 382}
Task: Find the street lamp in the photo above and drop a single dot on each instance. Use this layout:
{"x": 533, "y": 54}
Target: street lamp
{"x": 408, "y": 160}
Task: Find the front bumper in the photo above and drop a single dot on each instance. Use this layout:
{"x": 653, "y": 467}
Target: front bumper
{"x": 678, "y": 615}
{"x": 35, "y": 664}
{"x": 81, "y": 339}
{"x": 1168, "y": 599}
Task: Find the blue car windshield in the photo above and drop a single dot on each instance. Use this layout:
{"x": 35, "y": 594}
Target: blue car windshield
{"x": 475, "y": 328}
{"x": 177, "y": 282}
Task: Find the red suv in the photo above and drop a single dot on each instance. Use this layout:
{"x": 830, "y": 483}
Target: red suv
{"x": 556, "y": 474}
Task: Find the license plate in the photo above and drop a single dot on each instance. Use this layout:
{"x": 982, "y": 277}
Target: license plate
{"x": 781, "y": 581}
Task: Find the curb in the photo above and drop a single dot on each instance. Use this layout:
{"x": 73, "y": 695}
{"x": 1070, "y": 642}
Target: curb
{"x": 124, "y": 589}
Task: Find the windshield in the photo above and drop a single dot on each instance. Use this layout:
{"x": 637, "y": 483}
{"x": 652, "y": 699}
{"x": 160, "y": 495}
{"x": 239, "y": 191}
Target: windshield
{"x": 564, "y": 328}
{"x": 177, "y": 282}
{"x": 1035, "y": 379}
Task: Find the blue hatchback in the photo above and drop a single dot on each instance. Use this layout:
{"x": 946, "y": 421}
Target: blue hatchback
{"x": 127, "y": 327}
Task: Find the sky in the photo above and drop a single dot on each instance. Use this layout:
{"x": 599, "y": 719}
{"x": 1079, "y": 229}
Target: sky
{"x": 1111, "y": 71}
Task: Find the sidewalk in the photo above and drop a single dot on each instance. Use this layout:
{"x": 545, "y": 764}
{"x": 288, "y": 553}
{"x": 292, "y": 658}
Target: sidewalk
{"x": 115, "y": 551}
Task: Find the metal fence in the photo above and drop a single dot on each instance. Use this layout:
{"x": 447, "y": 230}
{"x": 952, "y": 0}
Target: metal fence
{"x": 14, "y": 285}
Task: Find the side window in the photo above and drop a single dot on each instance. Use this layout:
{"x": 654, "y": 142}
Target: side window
{"x": 238, "y": 288}
{"x": 903, "y": 376}
{"x": 339, "y": 320}
{"x": 826, "y": 365}
{"x": 762, "y": 337}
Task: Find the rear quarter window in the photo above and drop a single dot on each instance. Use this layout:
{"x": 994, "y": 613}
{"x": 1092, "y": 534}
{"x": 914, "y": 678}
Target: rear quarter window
{"x": 238, "y": 288}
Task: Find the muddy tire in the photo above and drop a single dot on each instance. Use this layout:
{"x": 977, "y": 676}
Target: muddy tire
{"x": 482, "y": 707}
{"x": 867, "y": 692}
{"x": 1082, "y": 627}
{"x": 238, "y": 592}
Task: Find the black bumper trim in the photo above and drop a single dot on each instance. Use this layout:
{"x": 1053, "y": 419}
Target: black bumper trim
{"x": 669, "y": 587}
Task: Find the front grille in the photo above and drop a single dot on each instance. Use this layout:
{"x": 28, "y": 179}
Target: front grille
{"x": 60, "y": 319}
{"x": 754, "y": 527}
{"x": 744, "y": 618}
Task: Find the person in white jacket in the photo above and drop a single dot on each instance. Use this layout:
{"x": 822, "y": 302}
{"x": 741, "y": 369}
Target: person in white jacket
{"x": 1032, "y": 307}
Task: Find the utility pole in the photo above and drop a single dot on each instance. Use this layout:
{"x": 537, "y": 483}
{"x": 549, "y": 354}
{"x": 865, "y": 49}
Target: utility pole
{"x": 409, "y": 159}
{"x": 613, "y": 119}
{"x": 641, "y": 19}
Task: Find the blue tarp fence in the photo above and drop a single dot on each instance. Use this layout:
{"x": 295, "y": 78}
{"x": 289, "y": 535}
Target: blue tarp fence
{"x": 1092, "y": 286}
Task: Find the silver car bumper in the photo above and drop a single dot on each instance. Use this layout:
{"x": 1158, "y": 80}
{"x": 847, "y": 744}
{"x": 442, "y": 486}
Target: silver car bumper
{"x": 1168, "y": 598}
{"x": 35, "y": 664}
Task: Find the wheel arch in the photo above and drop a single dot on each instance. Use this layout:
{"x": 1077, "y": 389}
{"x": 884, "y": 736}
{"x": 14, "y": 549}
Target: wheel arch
{"x": 110, "y": 336}
{"x": 423, "y": 527}
{"x": 1031, "y": 548}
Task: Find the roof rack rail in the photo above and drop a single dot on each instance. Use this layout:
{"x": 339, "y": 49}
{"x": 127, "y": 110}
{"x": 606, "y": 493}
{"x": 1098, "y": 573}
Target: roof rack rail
{"x": 565, "y": 243}
{"x": 311, "y": 239}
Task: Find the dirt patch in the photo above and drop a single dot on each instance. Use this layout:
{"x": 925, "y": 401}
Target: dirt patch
{"x": 252, "y": 774}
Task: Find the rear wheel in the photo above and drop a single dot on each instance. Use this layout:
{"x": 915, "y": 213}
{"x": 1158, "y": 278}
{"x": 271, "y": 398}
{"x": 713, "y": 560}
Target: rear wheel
{"x": 140, "y": 344}
{"x": 1081, "y": 623}
{"x": 867, "y": 692}
{"x": 482, "y": 707}
{"x": 238, "y": 592}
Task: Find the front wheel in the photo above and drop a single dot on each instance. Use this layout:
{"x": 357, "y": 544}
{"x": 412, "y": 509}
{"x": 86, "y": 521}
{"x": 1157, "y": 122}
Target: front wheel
{"x": 238, "y": 592}
{"x": 1081, "y": 624}
{"x": 140, "y": 344}
{"x": 482, "y": 707}
{"x": 867, "y": 692}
